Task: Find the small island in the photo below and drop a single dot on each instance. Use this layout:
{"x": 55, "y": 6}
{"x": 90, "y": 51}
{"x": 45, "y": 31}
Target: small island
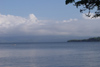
{"x": 94, "y": 39}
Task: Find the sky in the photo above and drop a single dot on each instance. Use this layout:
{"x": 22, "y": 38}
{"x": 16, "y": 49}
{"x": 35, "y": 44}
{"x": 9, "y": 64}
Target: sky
{"x": 45, "y": 20}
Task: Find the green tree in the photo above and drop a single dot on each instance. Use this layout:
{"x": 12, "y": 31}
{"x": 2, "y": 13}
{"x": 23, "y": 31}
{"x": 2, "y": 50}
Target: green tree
{"x": 87, "y": 5}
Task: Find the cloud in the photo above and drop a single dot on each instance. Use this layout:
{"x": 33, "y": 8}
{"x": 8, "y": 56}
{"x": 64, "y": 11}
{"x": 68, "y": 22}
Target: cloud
{"x": 91, "y": 16}
{"x": 70, "y": 20}
{"x": 19, "y": 26}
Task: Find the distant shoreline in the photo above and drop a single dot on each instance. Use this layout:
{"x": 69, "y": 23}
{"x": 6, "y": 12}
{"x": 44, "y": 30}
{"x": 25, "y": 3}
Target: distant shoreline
{"x": 94, "y": 39}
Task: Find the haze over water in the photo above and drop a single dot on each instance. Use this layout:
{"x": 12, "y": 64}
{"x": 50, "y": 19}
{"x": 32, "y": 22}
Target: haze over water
{"x": 84, "y": 54}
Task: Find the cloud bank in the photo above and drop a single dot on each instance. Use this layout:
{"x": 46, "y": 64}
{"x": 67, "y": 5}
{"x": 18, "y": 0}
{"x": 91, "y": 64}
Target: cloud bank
{"x": 19, "y": 26}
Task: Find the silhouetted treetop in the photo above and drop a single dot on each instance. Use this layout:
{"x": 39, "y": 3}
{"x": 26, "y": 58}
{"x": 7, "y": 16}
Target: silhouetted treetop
{"x": 87, "y": 5}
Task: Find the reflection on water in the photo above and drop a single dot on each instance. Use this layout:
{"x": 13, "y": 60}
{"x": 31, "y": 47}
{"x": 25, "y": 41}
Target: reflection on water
{"x": 50, "y": 55}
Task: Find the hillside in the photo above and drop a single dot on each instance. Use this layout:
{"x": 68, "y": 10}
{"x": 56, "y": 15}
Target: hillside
{"x": 95, "y": 39}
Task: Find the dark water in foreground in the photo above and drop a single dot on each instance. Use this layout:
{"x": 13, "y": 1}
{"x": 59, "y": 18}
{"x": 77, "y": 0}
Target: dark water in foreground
{"x": 50, "y": 55}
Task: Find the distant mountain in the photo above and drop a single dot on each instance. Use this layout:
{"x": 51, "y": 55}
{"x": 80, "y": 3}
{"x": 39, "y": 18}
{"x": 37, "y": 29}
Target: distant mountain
{"x": 94, "y": 39}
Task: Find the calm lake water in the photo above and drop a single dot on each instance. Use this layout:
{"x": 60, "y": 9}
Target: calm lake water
{"x": 82, "y": 54}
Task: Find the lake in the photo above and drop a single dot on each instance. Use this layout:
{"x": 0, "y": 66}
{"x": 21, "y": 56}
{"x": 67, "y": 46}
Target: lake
{"x": 58, "y": 54}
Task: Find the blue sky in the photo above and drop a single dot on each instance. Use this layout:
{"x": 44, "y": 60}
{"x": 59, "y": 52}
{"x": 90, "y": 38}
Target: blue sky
{"x": 43, "y": 9}
{"x": 45, "y": 18}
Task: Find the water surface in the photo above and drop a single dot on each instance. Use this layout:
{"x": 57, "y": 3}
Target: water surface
{"x": 84, "y": 54}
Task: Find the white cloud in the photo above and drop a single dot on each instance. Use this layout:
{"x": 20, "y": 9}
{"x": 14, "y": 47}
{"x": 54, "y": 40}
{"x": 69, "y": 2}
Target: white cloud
{"x": 91, "y": 16}
{"x": 70, "y": 20}
{"x": 16, "y": 25}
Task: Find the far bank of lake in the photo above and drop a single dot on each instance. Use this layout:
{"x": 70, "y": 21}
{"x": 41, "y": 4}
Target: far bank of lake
{"x": 94, "y": 39}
